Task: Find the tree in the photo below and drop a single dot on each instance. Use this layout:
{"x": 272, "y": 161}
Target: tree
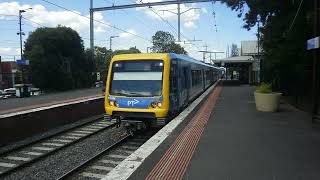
{"x": 57, "y": 59}
{"x": 284, "y": 32}
{"x": 163, "y": 42}
{"x": 102, "y": 59}
{"x": 234, "y": 50}
{"x": 132, "y": 50}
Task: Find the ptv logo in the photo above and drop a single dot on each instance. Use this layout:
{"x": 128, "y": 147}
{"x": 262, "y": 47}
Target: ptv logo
{"x": 132, "y": 103}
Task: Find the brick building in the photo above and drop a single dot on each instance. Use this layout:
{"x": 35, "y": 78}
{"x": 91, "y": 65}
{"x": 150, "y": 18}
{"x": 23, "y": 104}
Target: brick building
{"x": 8, "y": 74}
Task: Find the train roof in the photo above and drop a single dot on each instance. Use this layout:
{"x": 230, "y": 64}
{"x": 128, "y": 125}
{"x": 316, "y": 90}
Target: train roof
{"x": 160, "y": 56}
{"x": 190, "y": 59}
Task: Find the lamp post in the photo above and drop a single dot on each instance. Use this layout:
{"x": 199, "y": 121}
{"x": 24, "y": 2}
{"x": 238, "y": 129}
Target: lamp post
{"x": 111, "y": 37}
{"x": 20, "y": 33}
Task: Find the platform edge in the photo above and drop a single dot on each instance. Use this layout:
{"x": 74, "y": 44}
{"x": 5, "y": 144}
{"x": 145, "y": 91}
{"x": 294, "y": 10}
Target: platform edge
{"x": 127, "y": 167}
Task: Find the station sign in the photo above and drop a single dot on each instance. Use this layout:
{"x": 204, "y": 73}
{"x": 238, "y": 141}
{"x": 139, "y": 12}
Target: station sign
{"x": 313, "y": 43}
{"x": 22, "y": 62}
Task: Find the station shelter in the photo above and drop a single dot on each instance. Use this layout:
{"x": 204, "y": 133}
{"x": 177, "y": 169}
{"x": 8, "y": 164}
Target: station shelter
{"x": 244, "y": 68}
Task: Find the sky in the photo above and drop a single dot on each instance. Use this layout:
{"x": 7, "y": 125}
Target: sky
{"x": 214, "y": 24}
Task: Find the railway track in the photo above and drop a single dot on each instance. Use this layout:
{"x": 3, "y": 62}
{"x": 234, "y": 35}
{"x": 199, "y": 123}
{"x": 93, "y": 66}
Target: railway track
{"x": 100, "y": 164}
{"x": 20, "y": 157}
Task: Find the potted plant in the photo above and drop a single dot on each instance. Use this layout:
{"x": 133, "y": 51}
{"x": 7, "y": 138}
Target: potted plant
{"x": 265, "y": 99}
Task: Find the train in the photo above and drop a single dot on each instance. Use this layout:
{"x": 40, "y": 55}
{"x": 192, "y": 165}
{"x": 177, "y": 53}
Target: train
{"x": 148, "y": 90}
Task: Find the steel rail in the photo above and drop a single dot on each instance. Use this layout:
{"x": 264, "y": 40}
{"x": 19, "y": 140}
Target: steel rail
{"x": 22, "y": 165}
{"x": 96, "y": 156}
{"x": 50, "y": 136}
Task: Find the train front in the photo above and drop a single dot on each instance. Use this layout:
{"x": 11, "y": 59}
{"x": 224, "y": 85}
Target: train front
{"x": 137, "y": 89}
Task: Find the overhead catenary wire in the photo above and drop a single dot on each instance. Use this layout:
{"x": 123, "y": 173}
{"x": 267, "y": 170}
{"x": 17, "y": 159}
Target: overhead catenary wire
{"x": 294, "y": 19}
{"x": 106, "y": 24}
{"x": 49, "y": 27}
{"x": 131, "y": 15}
{"x": 169, "y": 24}
{"x": 164, "y": 20}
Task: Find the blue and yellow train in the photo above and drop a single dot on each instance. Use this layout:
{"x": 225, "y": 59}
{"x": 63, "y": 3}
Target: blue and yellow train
{"x": 152, "y": 88}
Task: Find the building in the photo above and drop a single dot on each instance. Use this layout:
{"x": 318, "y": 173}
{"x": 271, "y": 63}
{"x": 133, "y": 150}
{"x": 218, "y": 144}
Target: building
{"x": 245, "y": 67}
{"x": 8, "y": 71}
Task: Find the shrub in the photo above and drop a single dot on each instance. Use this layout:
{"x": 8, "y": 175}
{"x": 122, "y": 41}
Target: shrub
{"x": 264, "y": 88}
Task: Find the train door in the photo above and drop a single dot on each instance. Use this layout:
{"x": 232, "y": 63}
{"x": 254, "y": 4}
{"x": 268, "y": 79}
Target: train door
{"x": 203, "y": 80}
{"x": 186, "y": 82}
{"x": 174, "y": 89}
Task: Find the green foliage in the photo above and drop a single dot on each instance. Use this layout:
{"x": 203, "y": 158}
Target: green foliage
{"x": 103, "y": 57}
{"x": 163, "y": 42}
{"x": 264, "y": 88}
{"x": 57, "y": 59}
{"x": 132, "y": 50}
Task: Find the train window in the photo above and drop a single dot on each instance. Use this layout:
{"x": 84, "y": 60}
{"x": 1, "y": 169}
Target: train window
{"x": 208, "y": 75}
{"x": 196, "y": 77}
{"x": 137, "y": 78}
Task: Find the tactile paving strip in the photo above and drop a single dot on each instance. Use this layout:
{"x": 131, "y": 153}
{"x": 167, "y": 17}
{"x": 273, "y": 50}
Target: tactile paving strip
{"x": 176, "y": 159}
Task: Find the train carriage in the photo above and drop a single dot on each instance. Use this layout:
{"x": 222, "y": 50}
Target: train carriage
{"x": 152, "y": 88}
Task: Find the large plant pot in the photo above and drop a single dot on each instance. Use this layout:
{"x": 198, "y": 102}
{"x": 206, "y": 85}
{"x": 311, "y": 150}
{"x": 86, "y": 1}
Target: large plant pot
{"x": 267, "y": 102}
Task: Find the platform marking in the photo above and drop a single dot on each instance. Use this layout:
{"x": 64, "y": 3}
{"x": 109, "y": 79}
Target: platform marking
{"x": 131, "y": 163}
{"x": 17, "y": 158}
{"x": 110, "y": 162}
{"x": 69, "y": 137}
{"x": 62, "y": 140}
{"x": 43, "y": 148}
{"x": 33, "y": 153}
{"x": 53, "y": 144}
{"x": 7, "y": 165}
{"x": 92, "y": 175}
{"x": 105, "y": 168}
{"x": 175, "y": 161}
{"x": 117, "y": 156}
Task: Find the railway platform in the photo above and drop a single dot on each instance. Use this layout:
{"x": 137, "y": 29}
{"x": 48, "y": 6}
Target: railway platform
{"x": 13, "y": 105}
{"x": 226, "y": 139}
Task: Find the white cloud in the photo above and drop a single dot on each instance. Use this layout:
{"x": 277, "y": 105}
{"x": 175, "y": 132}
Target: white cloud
{"x": 204, "y": 10}
{"x": 9, "y": 51}
{"x": 5, "y": 50}
{"x": 41, "y": 15}
{"x": 129, "y": 33}
{"x": 99, "y": 29}
{"x": 190, "y": 16}
{"x": 190, "y": 24}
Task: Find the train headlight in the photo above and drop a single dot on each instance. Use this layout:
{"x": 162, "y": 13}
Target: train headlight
{"x": 113, "y": 103}
{"x": 156, "y": 104}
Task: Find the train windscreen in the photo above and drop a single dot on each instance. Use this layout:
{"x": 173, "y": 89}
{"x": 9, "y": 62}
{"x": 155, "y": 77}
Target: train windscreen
{"x": 137, "y": 78}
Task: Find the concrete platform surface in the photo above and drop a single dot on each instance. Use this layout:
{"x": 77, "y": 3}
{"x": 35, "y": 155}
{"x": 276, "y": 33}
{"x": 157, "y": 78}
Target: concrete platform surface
{"x": 238, "y": 142}
{"x": 19, "y": 104}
